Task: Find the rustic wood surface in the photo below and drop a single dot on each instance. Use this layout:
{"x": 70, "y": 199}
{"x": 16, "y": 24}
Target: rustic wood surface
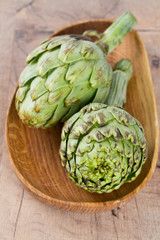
{"x": 23, "y": 25}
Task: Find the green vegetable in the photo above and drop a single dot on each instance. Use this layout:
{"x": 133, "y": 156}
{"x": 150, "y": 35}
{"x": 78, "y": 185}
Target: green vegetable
{"x": 65, "y": 73}
{"x": 102, "y": 147}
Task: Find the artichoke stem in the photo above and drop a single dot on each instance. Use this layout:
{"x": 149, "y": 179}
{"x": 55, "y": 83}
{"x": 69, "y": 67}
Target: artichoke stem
{"x": 122, "y": 73}
{"x": 113, "y": 35}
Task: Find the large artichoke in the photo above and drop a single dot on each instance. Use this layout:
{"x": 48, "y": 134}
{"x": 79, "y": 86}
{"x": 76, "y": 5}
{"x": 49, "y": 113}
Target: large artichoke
{"x": 102, "y": 147}
{"x": 65, "y": 73}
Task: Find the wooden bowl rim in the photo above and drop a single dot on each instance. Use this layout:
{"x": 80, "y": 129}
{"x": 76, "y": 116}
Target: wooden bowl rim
{"x": 92, "y": 205}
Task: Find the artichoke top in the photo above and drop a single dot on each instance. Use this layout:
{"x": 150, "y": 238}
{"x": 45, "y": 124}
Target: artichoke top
{"x": 102, "y": 147}
{"x": 65, "y": 73}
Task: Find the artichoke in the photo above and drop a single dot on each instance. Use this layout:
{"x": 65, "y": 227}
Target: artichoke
{"x": 102, "y": 147}
{"x": 66, "y": 72}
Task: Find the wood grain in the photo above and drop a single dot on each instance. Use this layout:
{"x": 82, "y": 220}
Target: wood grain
{"x": 23, "y": 26}
{"x": 34, "y": 153}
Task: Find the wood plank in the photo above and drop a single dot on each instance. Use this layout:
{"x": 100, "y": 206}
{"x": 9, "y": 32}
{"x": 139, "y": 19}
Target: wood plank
{"x": 24, "y": 24}
{"x": 9, "y": 183}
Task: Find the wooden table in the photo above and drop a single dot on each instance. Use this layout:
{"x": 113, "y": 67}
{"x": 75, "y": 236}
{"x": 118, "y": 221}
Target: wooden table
{"x": 23, "y": 25}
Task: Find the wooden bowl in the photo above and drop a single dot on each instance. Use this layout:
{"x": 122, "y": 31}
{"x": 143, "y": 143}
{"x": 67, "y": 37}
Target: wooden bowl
{"x": 34, "y": 152}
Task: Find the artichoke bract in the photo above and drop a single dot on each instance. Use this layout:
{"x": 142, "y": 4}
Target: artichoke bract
{"x": 65, "y": 73}
{"x": 102, "y": 147}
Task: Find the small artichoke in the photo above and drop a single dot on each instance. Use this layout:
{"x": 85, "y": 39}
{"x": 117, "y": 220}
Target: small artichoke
{"x": 65, "y": 73}
{"x": 102, "y": 147}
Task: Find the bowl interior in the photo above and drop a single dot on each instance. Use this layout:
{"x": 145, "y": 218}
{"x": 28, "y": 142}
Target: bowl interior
{"x": 34, "y": 152}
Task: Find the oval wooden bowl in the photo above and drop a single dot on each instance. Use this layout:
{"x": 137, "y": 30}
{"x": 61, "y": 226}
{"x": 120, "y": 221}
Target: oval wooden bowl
{"x": 34, "y": 152}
